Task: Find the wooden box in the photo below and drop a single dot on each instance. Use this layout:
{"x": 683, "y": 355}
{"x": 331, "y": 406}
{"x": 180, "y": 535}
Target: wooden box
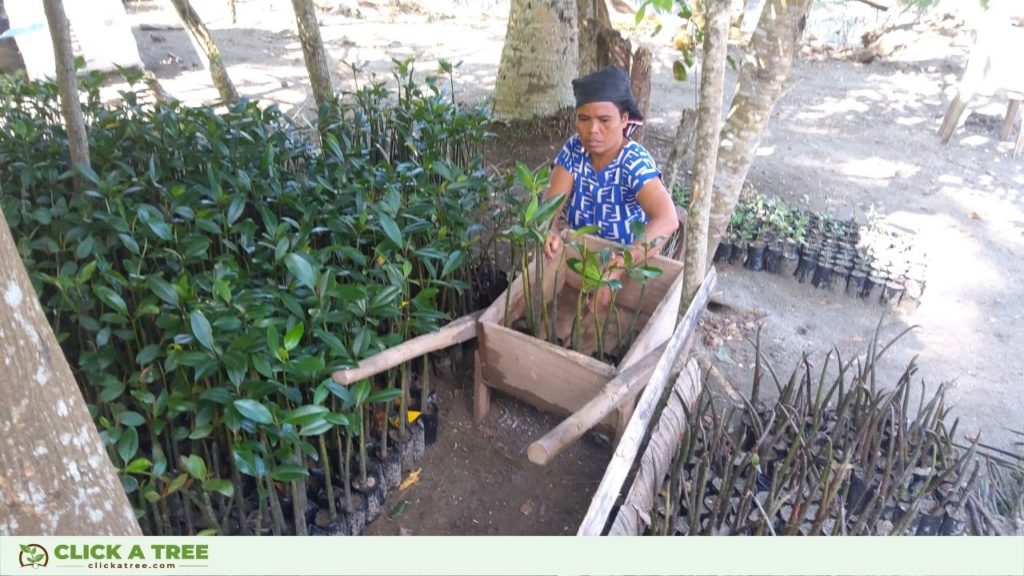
{"x": 557, "y": 379}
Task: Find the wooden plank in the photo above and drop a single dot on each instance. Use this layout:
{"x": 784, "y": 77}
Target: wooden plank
{"x": 657, "y": 457}
{"x": 626, "y": 452}
{"x": 481, "y": 392}
{"x": 455, "y": 332}
{"x": 658, "y": 329}
{"x": 626, "y": 384}
{"x": 544, "y": 375}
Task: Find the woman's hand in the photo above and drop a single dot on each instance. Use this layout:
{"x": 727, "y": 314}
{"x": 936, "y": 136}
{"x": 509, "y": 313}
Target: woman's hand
{"x": 552, "y": 245}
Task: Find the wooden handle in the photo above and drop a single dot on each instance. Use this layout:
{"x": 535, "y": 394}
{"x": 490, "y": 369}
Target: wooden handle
{"x": 623, "y": 387}
{"x": 455, "y": 332}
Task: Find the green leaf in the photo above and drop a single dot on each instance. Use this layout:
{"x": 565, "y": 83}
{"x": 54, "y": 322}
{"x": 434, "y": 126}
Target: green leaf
{"x": 679, "y": 71}
{"x": 305, "y": 414}
{"x": 128, "y": 444}
{"x": 112, "y": 390}
{"x": 138, "y": 466}
{"x": 201, "y": 432}
{"x": 178, "y": 483}
{"x": 316, "y": 427}
{"x": 202, "y": 329}
{"x": 294, "y": 336}
{"x": 208, "y": 532}
{"x": 160, "y": 228}
{"x": 111, "y": 298}
{"x": 27, "y": 549}
{"x": 254, "y": 411}
{"x": 307, "y": 365}
{"x": 129, "y": 418}
{"x": 86, "y": 171}
{"x": 273, "y": 338}
{"x": 381, "y": 396}
{"x": 398, "y": 510}
{"x": 163, "y": 290}
{"x": 391, "y": 230}
{"x": 336, "y": 418}
{"x": 235, "y": 209}
{"x": 195, "y": 466}
{"x": 301, "y": 269}
{"x": 147, "y": 354}
{"x": 288, "y": 473}
{"x": 531, "y": 209}
{"x": 452, "y": 262}
{"x": 85, "y": 274}
{"x": 220, "y": 485}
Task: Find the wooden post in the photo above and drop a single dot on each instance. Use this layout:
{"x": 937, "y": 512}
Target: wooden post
{"x": 481, "y": 393}
{"x": 625, "y": 454}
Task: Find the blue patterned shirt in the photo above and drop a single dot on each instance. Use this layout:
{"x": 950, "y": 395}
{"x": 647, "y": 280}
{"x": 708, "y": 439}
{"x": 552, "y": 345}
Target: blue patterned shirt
{"x": 607, "y": 197}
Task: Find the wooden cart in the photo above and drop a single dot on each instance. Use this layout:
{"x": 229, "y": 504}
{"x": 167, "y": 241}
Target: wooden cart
{"x": 554, "y": 378}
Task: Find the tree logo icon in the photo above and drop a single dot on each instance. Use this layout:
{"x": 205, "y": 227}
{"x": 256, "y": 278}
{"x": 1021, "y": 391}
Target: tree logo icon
{"x": 33, "y": 555}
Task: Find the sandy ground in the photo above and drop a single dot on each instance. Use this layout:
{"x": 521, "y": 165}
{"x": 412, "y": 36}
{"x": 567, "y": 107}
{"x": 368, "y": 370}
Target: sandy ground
{"x": 845, "y": 137}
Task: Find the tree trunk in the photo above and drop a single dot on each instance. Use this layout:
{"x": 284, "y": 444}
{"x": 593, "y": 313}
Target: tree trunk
{"x": 67, "y": 83}
{"x": 539, "y": 60}
{"x": 763, "y": 72}
{"x": 709, "y": 119}
{"x": 207, "y": 48}
{"x": 640, "y": 83}
{"x": 55, "y": 477}
{"x": 314, "y": 55}
{"x": 680, "y": 147}
{"x": 600, "y": 44}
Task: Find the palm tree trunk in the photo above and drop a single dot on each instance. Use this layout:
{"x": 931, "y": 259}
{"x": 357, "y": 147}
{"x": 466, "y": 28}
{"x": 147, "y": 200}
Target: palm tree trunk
{"x": 539, "y": 60}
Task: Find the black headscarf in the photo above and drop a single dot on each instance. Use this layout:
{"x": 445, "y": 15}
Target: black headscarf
{"x": 610, "y": 84}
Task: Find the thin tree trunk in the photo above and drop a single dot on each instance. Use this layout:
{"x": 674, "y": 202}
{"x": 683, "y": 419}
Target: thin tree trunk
{"x": 539, "y": 60}
{"x": 55, "y": 476}
{"x": 314, "y": 55}
{"x": 207, "y": 48}
{"x": 680, "y": 147}
{"x": 64, "y": 61}
{"x": 712, "y": 84}
{"x": 640, "y": 82}
{"x": 764, "y": 70}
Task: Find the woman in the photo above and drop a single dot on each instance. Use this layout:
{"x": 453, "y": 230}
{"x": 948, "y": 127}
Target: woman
{"x": 609, "y": 180}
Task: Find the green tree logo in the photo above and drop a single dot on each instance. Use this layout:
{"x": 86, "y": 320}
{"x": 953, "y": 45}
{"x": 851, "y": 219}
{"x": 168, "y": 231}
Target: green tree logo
{"x": 33, "y": 555}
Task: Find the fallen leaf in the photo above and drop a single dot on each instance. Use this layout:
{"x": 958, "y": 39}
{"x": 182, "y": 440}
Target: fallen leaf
{"x": 975, "y": 216}
{"x": 413, "y": 478}
{"x": 399, "y": 509}
{"x": 526, "y": 508}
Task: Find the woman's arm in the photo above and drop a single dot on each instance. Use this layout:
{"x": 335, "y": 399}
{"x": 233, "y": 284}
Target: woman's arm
{"x": 662, "y": 219}
{"x": 561, "y": 183}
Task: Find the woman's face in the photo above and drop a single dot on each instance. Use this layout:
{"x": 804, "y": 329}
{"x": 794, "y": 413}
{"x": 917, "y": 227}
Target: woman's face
{"x": 600, "y": 126}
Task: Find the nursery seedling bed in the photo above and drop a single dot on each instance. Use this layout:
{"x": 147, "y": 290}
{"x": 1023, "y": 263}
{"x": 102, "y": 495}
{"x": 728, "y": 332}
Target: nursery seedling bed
{"x": 556, "y": 379}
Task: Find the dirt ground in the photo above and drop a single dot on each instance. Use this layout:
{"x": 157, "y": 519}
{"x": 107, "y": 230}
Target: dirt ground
{"x": 846, "y": 137}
